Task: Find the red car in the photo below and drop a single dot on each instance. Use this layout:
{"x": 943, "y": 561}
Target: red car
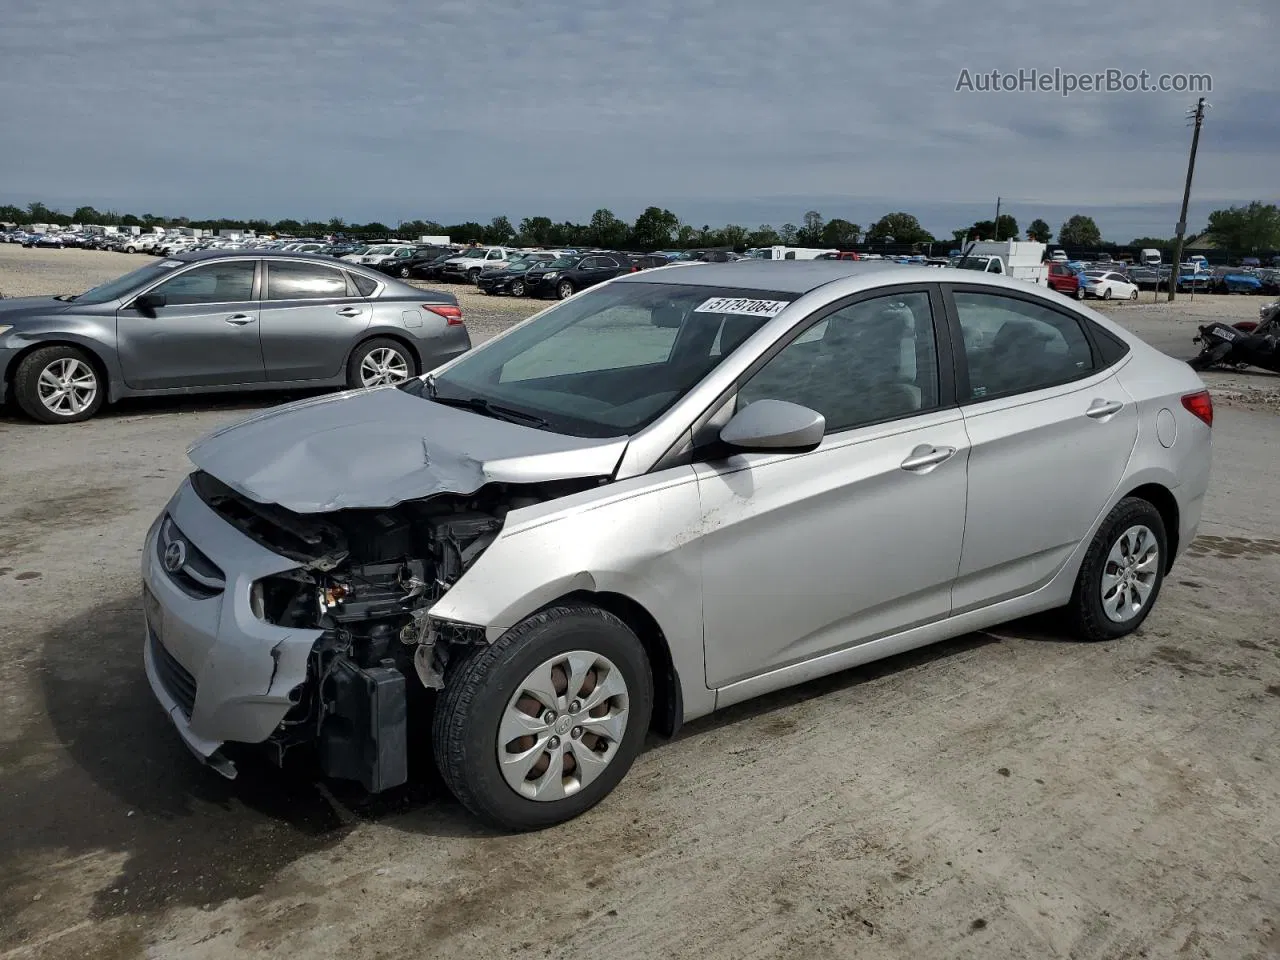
{"x": 1065, "y": 280}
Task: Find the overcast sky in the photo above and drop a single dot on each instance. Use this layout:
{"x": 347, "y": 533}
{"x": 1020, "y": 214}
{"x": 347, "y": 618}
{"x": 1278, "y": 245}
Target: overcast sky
{"x": 742, "y": 111}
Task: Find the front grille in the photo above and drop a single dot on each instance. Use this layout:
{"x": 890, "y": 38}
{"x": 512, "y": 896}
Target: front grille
{"x": 174, "y": 677}
{"x": 190, "y": 570}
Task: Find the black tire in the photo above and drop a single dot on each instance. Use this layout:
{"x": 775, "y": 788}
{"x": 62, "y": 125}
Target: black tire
{"x": 26, "y": 384}
{"x": 1209, "y": 357}
{"x": 1088, "y": 618}
{"x": 404, "y": 273}
{"x": 564, "y": 289}
{"x": 473, "y": 276}
{"x": 1106, "y": 294}
{"x": 517, "y": 288}
{"x": 479, "y": 687}
{"x": 354, "y": 380}
{"x": 1134, "y": 295}
{"x": 1080, "y": 292}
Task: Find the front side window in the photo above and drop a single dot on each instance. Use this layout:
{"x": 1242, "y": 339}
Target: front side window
{"x": 1013, "y": 345}
{"x": 304, "y": 281}
{"x": 230, "y": 282}
{"x": 869, "y": 362}
{"x": 611, "y": 360}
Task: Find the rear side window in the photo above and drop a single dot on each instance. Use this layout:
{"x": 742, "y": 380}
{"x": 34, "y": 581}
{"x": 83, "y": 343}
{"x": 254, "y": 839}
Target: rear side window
{"x": 364, "y": 284}
{"x": 304, "y": 281}
{"x": 1014, "y": 346}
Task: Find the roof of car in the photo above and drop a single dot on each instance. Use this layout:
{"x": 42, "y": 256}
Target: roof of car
{"x": 786, "y": 276}
{"x": 191, "y": 256}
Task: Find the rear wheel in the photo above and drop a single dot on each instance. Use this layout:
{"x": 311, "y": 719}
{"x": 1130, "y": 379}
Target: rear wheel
{"x": 1106, "y": 293}
{"x": 1122, "y": 572}
{"x": 1080, "y": 292}
{"x": 58, "y": 384}
{"x": 1133, "y": 294}
{"x": 541, "y": 725}
{"x": 380, "y": 362}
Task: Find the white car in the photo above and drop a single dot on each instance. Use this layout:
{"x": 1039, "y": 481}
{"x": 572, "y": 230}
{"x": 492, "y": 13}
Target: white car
{"x": 1109, "y": 286}
{"x": 381, "y": 252}
{"x": 471, "y": 263}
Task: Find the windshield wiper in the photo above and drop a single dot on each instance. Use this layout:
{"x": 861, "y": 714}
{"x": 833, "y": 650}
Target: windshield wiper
{"x": 67, "y": 297}
{"x": 488, "y": 408}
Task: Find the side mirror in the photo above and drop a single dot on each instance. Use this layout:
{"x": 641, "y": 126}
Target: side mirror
{"x": 774, "y": 426}
{"x": 150, "y": 301}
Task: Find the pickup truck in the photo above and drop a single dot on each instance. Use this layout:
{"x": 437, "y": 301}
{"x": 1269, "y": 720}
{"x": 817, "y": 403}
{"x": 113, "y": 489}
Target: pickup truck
{"x": 469, "y": 264}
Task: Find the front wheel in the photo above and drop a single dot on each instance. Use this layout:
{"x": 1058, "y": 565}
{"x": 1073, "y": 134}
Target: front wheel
{"x": 541, "y": 725}
{"x": 1122, "y": 572}
{"x": 1080, "y": 292}
{"x": 380, "y": 362}
{"x": 404, "y": 273}
{"x": 473, "y": 277}
{"x": 517, "y": 288}
{"x": 58, "y": 384}
{"x": 564, "y": 290}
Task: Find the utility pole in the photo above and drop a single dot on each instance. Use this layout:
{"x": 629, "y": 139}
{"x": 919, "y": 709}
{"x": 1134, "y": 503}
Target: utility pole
{"x": 997, "y": 221}
{"x": 1181, "y": 229}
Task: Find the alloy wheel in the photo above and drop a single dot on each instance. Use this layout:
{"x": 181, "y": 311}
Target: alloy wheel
{"x": 382, "y": 366}
{"x": 67, "y": 386}
{"x": 563, "y": 725}
{"x": 1129, "y": 575}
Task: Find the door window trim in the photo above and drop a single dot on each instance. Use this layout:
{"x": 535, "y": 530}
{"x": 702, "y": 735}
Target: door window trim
{"x": 255, "y": 293}
{"x": 1092, "y": 335}
{"x": 691, "y": 443}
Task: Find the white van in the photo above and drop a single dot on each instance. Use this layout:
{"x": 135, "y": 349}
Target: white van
{"x": 1150, "y": 257}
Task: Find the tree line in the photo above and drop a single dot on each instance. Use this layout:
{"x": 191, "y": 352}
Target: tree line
{"x": 1253, "y": 227}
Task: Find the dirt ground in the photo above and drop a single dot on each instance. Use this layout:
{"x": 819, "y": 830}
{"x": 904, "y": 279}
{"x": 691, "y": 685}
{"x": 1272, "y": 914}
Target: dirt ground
{"x": 1003, "y": 795}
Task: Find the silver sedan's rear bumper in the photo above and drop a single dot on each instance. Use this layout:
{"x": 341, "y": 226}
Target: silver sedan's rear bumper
{"x": 219, "y": 672}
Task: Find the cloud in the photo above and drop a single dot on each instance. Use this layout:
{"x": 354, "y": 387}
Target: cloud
{"x": 747, "y": 112}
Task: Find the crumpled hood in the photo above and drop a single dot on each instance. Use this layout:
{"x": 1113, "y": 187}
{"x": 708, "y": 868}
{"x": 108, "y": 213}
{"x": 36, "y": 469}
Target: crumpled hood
{"x": 376, "y": 448}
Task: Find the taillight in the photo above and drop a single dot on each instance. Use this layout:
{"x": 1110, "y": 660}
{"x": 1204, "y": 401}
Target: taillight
{"x": 1201, "y": 405}
{"x": 452, "y": 314}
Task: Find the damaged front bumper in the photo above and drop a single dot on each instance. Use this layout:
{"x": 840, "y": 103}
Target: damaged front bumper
{"x": 224, "y": 675}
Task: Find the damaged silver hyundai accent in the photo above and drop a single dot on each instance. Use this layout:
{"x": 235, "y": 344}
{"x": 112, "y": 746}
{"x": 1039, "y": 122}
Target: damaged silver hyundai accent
{"x": 664, "y": 495}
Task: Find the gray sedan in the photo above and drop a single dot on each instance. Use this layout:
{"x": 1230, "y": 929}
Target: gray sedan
{"x": 665, "y": 495}
{"x": 210, "y": 321}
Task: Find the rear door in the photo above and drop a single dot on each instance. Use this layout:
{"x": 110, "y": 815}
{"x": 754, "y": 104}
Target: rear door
{"x": 206, "y": 334}
{"x": 312, "y": 315}
{"x": 1051, "y": 432}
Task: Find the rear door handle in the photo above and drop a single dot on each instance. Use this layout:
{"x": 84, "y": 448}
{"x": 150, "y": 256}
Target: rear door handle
{"x": 1101, "y": 409}
{"x": 239, "y": 319}
{"x": 350, "y": 312}
{"x": 925, "y": 457}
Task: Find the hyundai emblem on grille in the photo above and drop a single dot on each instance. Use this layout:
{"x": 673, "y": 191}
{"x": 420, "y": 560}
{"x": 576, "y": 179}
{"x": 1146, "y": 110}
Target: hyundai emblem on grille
{"x": 175, "y": 555}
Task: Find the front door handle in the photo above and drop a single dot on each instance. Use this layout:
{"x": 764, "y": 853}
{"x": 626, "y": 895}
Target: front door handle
{"x": 1101, "y": 409}
{"x": 925, "y": 457}
{"x": 239, "y": 319}
{"x": 350, "y": 312}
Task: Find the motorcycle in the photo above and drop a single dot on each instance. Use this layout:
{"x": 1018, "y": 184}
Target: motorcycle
{"x": 1245, "y": 344}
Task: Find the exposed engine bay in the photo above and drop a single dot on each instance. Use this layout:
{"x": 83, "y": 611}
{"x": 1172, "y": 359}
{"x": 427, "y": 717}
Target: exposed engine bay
{"x": 368, "y": 579}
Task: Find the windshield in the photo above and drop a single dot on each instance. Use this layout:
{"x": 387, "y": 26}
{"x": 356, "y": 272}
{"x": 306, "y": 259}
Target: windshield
{"x": 119, "y": 287}
{"x": 611, "y": 360}
{"x": 972, "y": 263}
{"x": 473, "y": 254}
{"x": 562, "y": 263}
{"x": 381, "y": 250}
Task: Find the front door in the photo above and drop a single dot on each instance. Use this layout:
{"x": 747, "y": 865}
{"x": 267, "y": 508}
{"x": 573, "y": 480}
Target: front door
{"x": 310, "y": 320}
{"x": 1051, "y": 432}
{"x": 805, "y": 554}
{"x": 205, "y": 333}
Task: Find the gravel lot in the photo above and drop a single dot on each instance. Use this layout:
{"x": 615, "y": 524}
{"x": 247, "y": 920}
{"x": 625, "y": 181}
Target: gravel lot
{"x": 1006, "y": 794}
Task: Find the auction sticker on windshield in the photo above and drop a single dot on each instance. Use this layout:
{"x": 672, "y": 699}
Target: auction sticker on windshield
{"x": 743, "y": 306}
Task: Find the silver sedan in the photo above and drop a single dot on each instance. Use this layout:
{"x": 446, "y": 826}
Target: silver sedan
{"x": 662, "y": 496}
{"x": 215, "y": 321}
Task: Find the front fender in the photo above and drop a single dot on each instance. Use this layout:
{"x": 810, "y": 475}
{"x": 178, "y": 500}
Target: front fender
{"x": 66, "y": 330}
{"x": 640, "y": 538}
